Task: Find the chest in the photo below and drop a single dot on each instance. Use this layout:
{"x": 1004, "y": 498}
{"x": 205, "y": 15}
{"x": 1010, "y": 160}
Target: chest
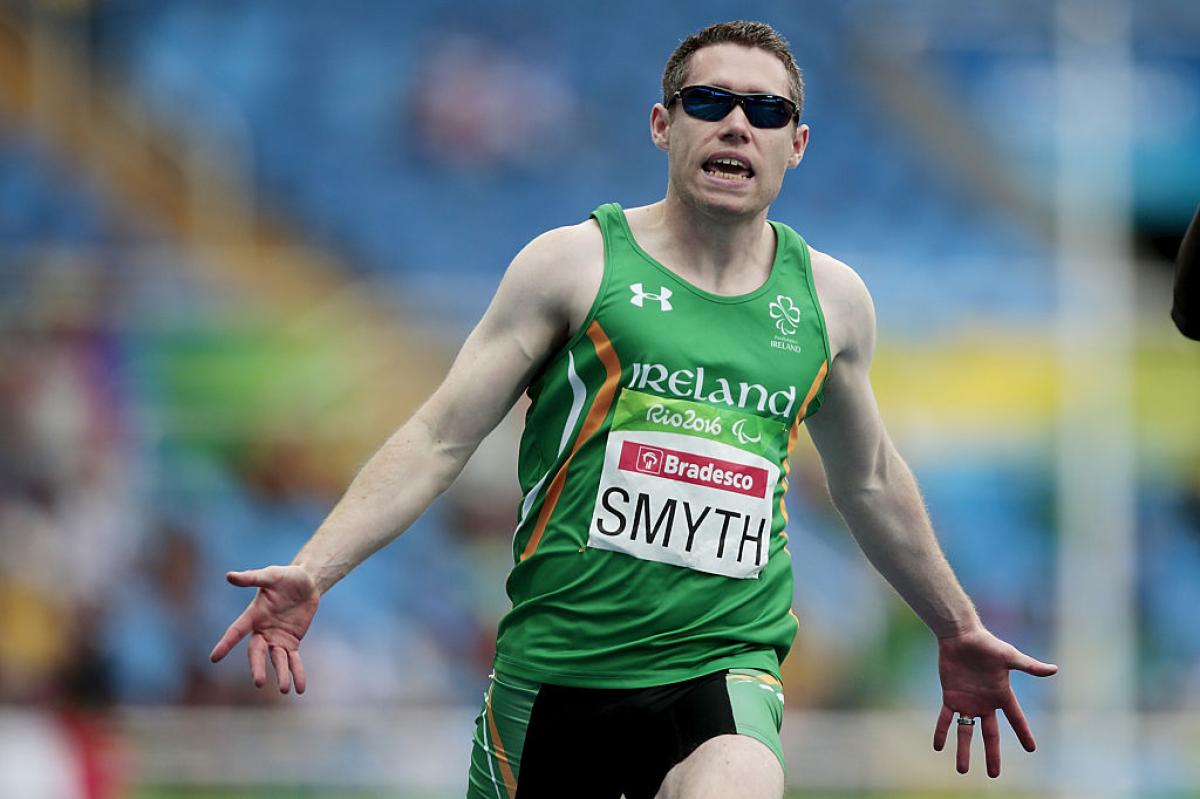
{"x": 756, "y": 355}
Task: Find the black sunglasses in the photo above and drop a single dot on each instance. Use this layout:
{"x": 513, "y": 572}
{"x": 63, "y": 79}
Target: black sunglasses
{"x": 711, "y": 104}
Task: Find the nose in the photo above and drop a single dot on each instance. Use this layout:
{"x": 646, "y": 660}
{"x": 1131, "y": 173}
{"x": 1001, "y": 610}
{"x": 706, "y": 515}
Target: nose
{"x": 735, "y": 126}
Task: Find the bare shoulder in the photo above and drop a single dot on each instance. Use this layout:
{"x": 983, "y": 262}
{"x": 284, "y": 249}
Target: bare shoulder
{"x": 846, "y": 303}
{"x": 570, "y": 243}
{"x": 561, "y": 270}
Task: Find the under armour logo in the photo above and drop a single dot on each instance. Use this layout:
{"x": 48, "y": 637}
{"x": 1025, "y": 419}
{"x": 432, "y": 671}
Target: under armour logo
{"x": 785, "y": 313}
{"x": 640, "y": 295}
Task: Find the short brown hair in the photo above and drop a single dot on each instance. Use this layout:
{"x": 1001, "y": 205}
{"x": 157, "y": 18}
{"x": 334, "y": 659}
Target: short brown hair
{"x": 743, "y": 32}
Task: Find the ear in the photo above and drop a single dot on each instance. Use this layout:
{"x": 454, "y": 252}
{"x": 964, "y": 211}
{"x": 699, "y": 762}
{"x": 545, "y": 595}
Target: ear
{"x": 660, "y": 126}
{"x": 799, "y": 143}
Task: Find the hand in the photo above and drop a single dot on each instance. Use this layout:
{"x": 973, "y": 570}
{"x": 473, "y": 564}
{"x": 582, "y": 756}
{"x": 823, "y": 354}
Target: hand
{"x": 974, "y": 670}
{"x": 276, "y": 619}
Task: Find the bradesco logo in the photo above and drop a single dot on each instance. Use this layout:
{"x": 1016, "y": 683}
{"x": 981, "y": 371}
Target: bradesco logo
{"x": 688, "y": 467}
{"x": 648, "y": 460}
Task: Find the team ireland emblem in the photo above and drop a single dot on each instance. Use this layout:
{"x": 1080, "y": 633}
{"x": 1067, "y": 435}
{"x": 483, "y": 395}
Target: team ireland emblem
{"x": 785, "y": 313}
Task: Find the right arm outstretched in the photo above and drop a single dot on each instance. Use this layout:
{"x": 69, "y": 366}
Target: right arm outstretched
{"x": 541, "y": 298}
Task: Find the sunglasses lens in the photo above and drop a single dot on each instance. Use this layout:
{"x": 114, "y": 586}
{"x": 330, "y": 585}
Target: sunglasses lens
{"x": 706, "y": 104}
{"x": 709, "y": 104}
{"x": 767, "y": 112}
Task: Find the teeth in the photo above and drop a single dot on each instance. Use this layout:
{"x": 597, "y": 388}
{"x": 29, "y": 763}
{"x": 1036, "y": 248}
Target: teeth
{"x": 725, "y": 168}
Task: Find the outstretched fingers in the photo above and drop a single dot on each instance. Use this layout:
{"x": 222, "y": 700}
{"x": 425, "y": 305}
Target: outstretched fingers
{"x": 941, "y": 728}
{"x": 1016, "y": 717}
{"x": 962, "y": 760}
{"x": 991, "y": 743}
{"x": 252, "y": 578}
{"x": 240, "y": 628}
{"x": 256, "y": 650}
{"x": 279, "y": 660}
{"x": 1021, "y": 662}
{"x": 297, "y": 666}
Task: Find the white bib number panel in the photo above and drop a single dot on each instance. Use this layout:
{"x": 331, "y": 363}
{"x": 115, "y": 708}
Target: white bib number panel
{"x": 687, "y": 484}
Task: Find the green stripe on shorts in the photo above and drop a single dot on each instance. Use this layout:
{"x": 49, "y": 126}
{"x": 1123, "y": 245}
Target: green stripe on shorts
{"x": 500, "y": 737}
{"x": 757, "y": 701}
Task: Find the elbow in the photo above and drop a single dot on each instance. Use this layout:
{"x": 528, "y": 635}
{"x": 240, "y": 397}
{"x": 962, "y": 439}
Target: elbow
{"x": 440, "y": 458}
{"x": 446, "y": 463}
{"x": 852, "y": 497}
{"x": 883, "y": 488}
{"x": 875, "y": 481}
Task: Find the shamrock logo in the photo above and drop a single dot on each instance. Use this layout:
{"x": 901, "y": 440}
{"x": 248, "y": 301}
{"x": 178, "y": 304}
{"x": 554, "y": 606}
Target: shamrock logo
{"x": 785, "y": 313}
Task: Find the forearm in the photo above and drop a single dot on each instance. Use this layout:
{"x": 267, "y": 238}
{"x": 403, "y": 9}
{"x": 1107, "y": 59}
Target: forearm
{"x": 395, "y": 486}
{"x": 1186, "y": 309}
{"x": 887, "y": 518}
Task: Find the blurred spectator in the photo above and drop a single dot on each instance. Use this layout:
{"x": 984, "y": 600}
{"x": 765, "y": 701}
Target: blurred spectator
{"x": 476, "y": 105}
{"x": 155, "y": 631}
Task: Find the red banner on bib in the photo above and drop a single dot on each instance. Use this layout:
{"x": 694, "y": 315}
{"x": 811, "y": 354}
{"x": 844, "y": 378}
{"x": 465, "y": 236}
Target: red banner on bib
{"x": 690, "y": 467}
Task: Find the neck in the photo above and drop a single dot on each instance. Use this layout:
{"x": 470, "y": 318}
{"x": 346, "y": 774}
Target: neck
{"x": 723, "y": 253}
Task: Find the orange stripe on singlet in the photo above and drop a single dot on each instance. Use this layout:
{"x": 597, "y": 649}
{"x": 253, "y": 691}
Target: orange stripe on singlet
{"x": 595, "y": 417}
{"x": 794, "y": 435}
{"x": 812, "y": 392}
{"x": 787, "y": 467}
{"x": 506, "y": 772}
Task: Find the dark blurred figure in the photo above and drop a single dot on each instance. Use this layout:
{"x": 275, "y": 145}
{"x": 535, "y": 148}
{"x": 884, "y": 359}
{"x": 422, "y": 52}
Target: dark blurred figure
{"x": 153, "y": 626}
{"x": 1186, "y": 311}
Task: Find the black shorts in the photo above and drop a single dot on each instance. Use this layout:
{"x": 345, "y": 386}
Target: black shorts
{"x": 535, "y": 741}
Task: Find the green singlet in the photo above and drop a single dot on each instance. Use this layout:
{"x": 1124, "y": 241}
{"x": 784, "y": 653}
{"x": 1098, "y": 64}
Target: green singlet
{"x": 650, "y": 546}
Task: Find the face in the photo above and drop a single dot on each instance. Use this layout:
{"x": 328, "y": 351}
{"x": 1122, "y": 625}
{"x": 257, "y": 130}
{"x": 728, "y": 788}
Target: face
{"x": 692, "y": 145}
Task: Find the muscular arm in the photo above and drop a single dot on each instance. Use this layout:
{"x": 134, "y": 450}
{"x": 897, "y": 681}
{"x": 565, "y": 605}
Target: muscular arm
{"x": 870, "y": 484}
{"x": 544, "y": 293}
{"x": 876, "y": 494}
{"x": 527, "y": 319}
{"x": 1186, "y": 310}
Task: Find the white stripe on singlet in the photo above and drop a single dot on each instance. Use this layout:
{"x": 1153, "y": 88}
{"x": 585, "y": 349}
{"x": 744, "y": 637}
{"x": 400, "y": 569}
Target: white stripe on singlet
{"x": 488, "y": 749}
{"x": 578, "y": 394}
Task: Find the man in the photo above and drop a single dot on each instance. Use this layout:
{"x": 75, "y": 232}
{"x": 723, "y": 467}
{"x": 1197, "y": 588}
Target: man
{"x": 671, "y": 354}
{"x": 1186, "y": 308}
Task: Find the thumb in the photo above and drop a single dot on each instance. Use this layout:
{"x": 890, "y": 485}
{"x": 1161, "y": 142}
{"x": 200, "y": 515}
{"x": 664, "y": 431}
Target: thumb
{"x": 252, "y": 578}
{"x": 1037, "y": 668}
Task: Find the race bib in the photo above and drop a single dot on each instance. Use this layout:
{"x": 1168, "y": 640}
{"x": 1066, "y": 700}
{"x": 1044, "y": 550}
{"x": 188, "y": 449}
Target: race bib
{"x": 687, "y": 484}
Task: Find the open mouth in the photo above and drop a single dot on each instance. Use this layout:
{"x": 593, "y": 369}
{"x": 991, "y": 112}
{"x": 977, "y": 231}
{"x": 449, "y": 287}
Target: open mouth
{"x": 728, "y": 169}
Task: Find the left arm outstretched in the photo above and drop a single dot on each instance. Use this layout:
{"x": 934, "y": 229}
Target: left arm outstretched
{"x": 875, "y": 492}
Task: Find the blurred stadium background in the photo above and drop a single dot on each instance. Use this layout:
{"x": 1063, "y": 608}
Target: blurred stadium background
{"x": 240, "y": 241}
